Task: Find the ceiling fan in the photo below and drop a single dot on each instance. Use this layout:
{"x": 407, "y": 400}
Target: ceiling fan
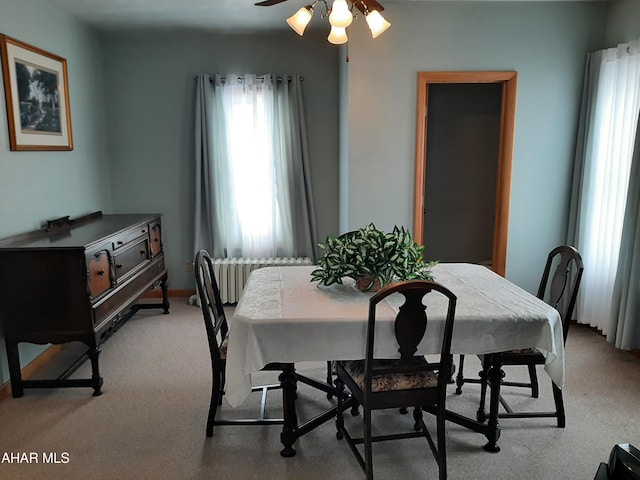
{"x": 363, "y": 5}
{"x": 340, "y": 17}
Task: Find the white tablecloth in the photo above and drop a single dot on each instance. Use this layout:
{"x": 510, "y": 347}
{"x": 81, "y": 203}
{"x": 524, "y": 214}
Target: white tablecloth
{"x": 283, "y": 317}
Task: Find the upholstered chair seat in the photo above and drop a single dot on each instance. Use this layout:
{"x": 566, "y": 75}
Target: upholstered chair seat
{"x": 390, "y": 381}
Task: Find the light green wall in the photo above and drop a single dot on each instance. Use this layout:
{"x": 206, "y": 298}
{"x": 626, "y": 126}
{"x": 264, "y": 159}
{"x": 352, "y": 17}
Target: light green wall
{"x": 150, "y": 90}
{"x": 343, "y": 168}
{"x": 545, "y": 42}
{"x": 623, "y": 22}
{"x": 35, "y": 186}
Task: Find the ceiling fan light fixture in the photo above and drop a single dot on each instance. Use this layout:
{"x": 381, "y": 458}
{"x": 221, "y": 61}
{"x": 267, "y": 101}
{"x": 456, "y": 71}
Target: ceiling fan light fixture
{"x": 340, "y": 15}
{"x": 299, "y": 20}
{"x": 377, "y": 23}
{"x": 338, "y": 35}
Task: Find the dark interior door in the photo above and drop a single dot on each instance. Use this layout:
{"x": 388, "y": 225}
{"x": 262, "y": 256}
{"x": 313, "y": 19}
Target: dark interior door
{"x": 462, "y": 156}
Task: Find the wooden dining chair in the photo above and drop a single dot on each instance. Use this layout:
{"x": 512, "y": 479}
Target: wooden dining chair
{"x": 215, "y": 322}
{"x": 408, "y": 381}
{"x": 560, "y": 291}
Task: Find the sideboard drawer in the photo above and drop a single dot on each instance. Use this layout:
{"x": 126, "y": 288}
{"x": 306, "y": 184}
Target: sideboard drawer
{"x": 124, "y": 239}
{"x": 136, "y": 254}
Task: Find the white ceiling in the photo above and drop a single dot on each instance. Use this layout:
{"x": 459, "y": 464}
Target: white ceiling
{"x": 212, "y": 15}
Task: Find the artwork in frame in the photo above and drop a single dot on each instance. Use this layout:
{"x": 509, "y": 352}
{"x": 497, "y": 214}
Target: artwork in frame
{"x": 37, "y": 96}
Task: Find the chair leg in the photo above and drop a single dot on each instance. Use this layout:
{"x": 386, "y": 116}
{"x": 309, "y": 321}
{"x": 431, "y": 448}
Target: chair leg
{"x": 368, "y": 450}
{"x": 557, "y": 397}
{"x": 339, "y": 384}
{"x": 442, "y": 446}
{"x": 216, "y": 399}
{"x": 329, "y": 377}
{"x": 460, "y": 376}
{"x": 213, "y": 406}
{"x": 533, "y": 378}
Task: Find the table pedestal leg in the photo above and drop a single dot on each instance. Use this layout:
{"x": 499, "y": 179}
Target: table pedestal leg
{"x": 290, "y": 429}
{"x": 496, "y": 374}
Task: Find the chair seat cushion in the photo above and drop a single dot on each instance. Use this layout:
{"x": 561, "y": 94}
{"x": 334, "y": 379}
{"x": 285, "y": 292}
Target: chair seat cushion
{"x": 392, "y": 381}
{"x": 524, "y": 351}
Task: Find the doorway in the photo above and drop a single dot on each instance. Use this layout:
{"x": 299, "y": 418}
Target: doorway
{"x": 463, "y": 166}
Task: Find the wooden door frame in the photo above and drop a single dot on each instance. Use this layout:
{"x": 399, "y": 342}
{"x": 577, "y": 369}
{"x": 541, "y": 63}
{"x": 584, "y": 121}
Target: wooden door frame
{"x": 508, "y": 79}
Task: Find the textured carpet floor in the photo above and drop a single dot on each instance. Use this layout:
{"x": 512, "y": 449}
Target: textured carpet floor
{"x": 149, "y": 422}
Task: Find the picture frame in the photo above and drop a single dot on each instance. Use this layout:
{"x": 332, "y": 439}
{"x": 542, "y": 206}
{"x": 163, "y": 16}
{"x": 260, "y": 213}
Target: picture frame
{"x": 37, "y": 97}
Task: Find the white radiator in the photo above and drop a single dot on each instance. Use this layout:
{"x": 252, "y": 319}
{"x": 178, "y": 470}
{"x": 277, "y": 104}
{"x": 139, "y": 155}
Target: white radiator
{"x": 232, "y": 273}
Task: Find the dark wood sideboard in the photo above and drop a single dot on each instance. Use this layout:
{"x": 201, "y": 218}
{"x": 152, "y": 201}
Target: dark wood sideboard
{"x": 77, "y": 280}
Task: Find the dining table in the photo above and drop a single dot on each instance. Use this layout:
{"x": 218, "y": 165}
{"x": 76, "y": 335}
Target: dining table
{"x": 282, "y": 316}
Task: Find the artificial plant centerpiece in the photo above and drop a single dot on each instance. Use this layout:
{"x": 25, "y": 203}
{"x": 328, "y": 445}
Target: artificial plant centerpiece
{"x": 372, "y": 258}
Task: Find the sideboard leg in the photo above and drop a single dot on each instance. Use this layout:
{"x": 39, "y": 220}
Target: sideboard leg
{"x": 97, "y": 380}
{"x": 164, "y": 285}
{"x": 13, "y": 359}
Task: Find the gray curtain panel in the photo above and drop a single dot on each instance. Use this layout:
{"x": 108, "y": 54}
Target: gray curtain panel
{"x": 296, "y": 155}
{"x": 203, "y": 213}
{"x": 583, "y": 145}
{"x": 626, "y": 292}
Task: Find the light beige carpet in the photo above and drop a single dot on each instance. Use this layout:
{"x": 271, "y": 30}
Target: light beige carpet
{"x": 150, "y": 421}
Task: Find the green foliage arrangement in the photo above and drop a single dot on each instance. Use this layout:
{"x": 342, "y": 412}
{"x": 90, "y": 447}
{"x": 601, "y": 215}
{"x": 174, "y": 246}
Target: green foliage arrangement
{"x": 372, "y": 258}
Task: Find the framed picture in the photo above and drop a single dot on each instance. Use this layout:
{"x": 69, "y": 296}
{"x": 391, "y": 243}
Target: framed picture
{"x": 37, "y": 95}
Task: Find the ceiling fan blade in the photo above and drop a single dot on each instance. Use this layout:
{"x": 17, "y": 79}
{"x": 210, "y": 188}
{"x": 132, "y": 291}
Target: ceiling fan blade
{"x": 364, "y": 5}
{"x": 268, "y": 3}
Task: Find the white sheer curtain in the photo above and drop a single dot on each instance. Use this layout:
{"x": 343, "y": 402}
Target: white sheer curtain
{"x": 253, "y": 191}
{"x": 254, "y": 169}
{"x": 609, "y": 121}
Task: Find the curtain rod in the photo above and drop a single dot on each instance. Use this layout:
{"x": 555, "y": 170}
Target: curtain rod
{"x": 259, "y": 77}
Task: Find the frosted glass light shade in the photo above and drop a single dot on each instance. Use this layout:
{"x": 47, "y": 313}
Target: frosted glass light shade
{"x": 377, "y": 23}
{"x": 340, "y": 15}
{"x": 338, "y": 35}
{"x": 299, "y": 21}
